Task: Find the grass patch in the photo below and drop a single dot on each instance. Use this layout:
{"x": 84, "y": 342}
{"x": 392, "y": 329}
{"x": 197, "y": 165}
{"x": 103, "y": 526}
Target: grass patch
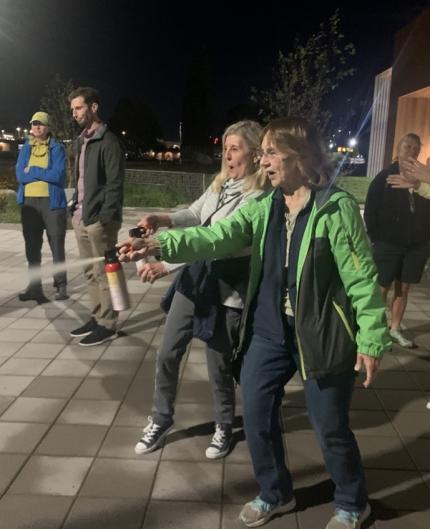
{"x": 10, "y": 212}
{"x": 356, "y": 185}
{"x": 135, "y": 195}
{"x": 139, "y": 195}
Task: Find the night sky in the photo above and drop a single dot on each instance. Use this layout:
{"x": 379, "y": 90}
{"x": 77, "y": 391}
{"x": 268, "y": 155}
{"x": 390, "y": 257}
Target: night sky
{"x": 143, "y": 49}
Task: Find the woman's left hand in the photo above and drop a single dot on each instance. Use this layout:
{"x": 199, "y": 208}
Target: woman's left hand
{"x": 150, "y": 272}
{"x": 402, "y": 181}
{"x": 370, "y": 364}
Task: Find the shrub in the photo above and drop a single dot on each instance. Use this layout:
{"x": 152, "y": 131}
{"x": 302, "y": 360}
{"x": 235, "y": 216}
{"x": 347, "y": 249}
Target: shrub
{"x": 7, "y": 176}
{"x": 9, "y": 209}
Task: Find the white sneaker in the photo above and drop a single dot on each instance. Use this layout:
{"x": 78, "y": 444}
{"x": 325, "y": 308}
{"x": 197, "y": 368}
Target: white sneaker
{"x": 400, "y": 339}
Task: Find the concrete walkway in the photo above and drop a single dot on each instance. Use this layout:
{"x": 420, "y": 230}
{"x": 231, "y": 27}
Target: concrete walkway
{"x": 70, "y": 416}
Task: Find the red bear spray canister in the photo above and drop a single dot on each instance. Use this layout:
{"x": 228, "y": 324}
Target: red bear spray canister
{"x": 116, "y": 281}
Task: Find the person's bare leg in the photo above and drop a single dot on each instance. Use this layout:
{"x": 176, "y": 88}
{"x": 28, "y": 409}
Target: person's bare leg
{"x": 384, "y": 292}
{"x": 398, "y": 305}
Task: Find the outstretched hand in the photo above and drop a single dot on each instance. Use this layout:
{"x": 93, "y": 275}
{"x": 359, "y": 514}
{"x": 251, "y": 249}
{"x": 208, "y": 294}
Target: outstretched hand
{"x": 135, "y": 249}
{"x": 150, "y": 272}
{"x": 370, "y": 365}
{"x": 152, "y": 222}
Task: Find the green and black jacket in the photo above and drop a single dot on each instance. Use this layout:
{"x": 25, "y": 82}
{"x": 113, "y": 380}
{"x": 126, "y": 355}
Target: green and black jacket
{"x": 339, "y": 309}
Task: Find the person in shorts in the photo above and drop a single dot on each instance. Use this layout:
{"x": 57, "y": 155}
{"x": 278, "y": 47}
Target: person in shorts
{"x": 398, "y": 225}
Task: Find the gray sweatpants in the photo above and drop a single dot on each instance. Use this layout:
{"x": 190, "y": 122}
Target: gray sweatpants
{"x": 36, "y": 216}
{"x": 177, "y": 335}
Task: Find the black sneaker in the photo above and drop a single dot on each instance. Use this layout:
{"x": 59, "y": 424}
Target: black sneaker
{"x": 33, "y": 293}
{"x": 99, "y": 335}
{"x": 154, "y": 435}
{"x": 221, "y": 441}
{"x": 85, "y": 329}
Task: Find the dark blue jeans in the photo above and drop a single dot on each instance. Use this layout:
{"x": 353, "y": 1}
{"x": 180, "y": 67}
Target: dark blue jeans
{"x": 267, "y": 367}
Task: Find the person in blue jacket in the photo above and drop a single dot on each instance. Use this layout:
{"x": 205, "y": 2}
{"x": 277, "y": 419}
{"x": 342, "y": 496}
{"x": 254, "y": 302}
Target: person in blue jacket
{"x": 41, "y": 173}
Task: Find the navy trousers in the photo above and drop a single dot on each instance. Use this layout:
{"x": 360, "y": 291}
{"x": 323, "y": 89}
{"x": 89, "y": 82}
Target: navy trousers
{"x": 267, "y": 367}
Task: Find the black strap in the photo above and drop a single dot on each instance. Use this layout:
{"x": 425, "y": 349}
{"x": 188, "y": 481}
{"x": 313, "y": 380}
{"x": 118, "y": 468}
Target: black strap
{"x": 218, "y": 207}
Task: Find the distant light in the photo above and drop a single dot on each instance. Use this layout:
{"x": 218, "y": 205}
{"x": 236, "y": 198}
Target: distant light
{"x": 18, "y": 129}
{"x": 352, "y": 142}
{"x": 123, "y": 132}
{"x": 339, "y": 130}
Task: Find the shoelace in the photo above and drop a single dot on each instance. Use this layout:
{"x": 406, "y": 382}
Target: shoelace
{"x": 149, "y": 425}
{"x": 219, "y": 436}
{"x": 150, "y": 433}
{"x": 349, "y": 517}
{"x": 261, "y": 505}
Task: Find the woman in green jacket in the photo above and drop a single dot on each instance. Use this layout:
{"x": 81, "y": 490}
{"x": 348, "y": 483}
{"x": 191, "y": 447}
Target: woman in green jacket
{"x": 313, "y": 305}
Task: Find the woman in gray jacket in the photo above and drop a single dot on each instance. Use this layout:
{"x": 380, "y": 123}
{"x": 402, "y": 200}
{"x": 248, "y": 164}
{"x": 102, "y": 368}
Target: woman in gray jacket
{"x": 240, "y": 178}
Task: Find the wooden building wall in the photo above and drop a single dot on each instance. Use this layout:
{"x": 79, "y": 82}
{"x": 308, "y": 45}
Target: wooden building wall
{"x": 410, "y": 86}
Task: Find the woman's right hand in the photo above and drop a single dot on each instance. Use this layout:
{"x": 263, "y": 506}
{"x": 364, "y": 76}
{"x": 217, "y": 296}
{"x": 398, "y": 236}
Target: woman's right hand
{"x": 138, "y": 248}
{"x": 151, "y": 223}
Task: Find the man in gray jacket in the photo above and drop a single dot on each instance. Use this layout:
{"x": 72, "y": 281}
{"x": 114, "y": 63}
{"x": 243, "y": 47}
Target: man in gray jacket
{"x": 97, "y": 208}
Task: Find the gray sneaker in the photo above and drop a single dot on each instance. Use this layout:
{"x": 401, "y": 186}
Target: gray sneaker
{"x": 61, "y": 294}
{"x": 348, "y": 520}
{"x": 258, "y": 512}
{"x": 400, "y": 339}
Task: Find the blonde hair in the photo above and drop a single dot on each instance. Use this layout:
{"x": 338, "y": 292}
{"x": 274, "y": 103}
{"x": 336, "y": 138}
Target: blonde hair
{"x": 298, "y": 138}
{"x": 255, "y": 178}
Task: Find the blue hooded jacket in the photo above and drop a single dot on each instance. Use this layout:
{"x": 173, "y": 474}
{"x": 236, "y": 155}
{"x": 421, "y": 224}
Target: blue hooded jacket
{"x": 54, "y": 174}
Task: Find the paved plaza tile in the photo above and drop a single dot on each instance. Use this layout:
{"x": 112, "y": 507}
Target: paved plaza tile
{"x": 35, "y": 512}
{"x": 58, "y": 476}
{"x": 106, "y": 513}
{"x": 70, "y": 417}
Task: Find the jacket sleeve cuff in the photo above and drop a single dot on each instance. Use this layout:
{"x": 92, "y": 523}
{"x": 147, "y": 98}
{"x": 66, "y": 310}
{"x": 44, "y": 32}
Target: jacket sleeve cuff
{"x": 374, "y": 350}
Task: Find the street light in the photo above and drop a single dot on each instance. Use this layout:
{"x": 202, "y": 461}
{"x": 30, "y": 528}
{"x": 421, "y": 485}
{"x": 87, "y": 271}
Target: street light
{"x": 352, "y": 142}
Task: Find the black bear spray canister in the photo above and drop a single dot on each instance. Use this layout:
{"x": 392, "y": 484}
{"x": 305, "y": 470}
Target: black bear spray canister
{"x": 116, "y": 281}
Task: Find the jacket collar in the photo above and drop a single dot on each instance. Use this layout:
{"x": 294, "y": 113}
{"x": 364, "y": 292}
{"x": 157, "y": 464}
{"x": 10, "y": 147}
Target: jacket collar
{"x": 98, "y": 134}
